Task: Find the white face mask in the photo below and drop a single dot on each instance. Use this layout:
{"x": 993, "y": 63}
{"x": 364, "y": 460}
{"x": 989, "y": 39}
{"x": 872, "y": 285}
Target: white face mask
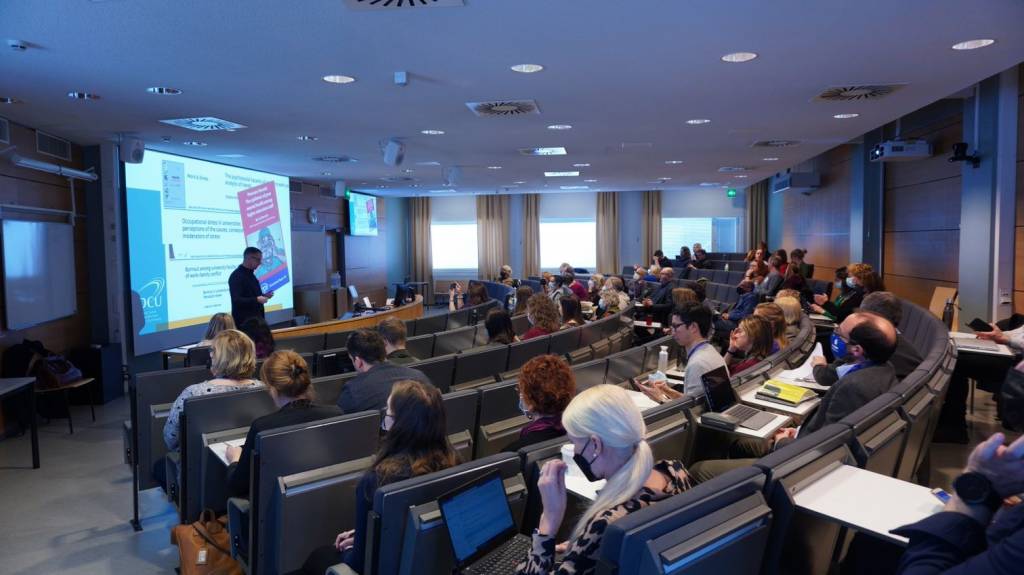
{"x": 636, "y": 276}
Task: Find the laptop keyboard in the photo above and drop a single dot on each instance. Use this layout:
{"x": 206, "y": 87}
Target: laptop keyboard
{"x": 742, "y": 412}
{"x": 749, "y": 417}
{"x": 504, "y": 559}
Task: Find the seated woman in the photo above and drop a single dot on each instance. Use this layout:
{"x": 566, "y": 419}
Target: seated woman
{"x": 683, "y": 295}
{"x": 477, "y": 295}
{"x": 792, "y": 312}
{"x": 854, "y": 282}
{"x": 543, "y": 316}
{"x": 558, "y": 288}
{"x": 523, "y": 295}
{"x": 546, "y": 386}
{"x": 232, "y": 363}
{"x": 793, "y": 279}
{"x": 594, "y": 286}
{"x": 259, "y": 332}
{"x": 607, "y": 433}
{"x": 773, "y": 313}
{"x": 287, "y": 378}
{"x": 505, "y": 275}
{"x": 684, "y": 257}
{"x": 572, "y": 313}
{"x": 613, "y": 297}
{"x": 218, "y": 323}
{"x": 749, "y": 344}
{"x": 499, "y": 328}
{"x": 415, "y": 443}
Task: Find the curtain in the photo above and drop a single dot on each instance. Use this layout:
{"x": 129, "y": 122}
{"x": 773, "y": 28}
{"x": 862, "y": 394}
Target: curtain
{"x": 651, "y": 229}
{"x": 757, "y": 213}
{"x": 608, "y": 232}
{"x": 531, "y": 235}
{"x": 420, "y": 260}
{"x": 491, "y": 234}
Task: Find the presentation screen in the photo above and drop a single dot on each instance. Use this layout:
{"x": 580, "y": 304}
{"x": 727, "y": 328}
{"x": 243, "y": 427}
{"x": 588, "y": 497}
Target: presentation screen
{"x": 188, "y": 223}
{"x": 362, "y": 214}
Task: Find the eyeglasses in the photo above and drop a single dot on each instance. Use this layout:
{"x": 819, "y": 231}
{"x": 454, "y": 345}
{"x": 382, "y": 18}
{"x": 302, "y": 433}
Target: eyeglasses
{"x": 676, "y": 326}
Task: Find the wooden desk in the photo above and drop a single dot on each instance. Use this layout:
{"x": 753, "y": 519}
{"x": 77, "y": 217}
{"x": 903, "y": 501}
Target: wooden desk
{"x": 14, "y": 385}
{"x": 409, "y": 311}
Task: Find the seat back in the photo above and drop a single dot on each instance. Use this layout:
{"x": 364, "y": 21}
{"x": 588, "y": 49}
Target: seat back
{"x": 520, "y": 324}
{"x": 565, "y": 341}
{"x": 580, "y": 355}
{"x": 431, "y": 324}
{"x": 198, "y": 356}
{"x": 333, "y": 362}
{"x": 499, "y": 419}
{"x": 522, "y": 351}
{"x": 301, "y": 344}
{"x": 454, "y": 340}
{"x": 480, "y": 364}
{"x": 439, "y": 370}
{"x": 155, "y": 392}
{"x": 590, "y": 373}
{"x": 532, "y": 459}
{"x": 461, "y": 409}
{"x": 457, "y": 319}
{"x": 336, "y": 339}
{"x": 421, "y": 346}
{"x": 917, "y": 410}
{"x": 879, "y": 434}
{"x": 625, "y": 364}
{"x": 328, "y": 388}
{"x": 671, "y": 430}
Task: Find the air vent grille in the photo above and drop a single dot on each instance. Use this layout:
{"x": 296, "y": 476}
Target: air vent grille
{"x": 732, "y": 169}
{"x": 385, "y": 4}
{"x": 5, "y": 131}
{"x": 857, "y": 92}
{"x": 504, "y": 108}
{"x": 53, "y": 146}
{"x": 775, "y": 143}
{"x": 336, "y": 159}
{"x": 397, "y": 179}
{"x": 203, "y": 124}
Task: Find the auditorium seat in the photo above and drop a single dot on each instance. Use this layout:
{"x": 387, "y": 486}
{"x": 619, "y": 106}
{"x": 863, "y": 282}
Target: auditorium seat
{"x": 480, "y": 365}
{"x": 580, "y": 355}
{"x": 454, "y": 340}
{"x": 532, "y": 459}
{"x": 520, "y": 324}
{"x": 564, "y": 341}
{"x": 439, "y": 370}
{"x": 590, "y": 373}
{"x": 198, "y": 356}
{"x": 500, "y": 418}
{"x": 301, "y": 344}
{"x": 671, "y": 430}
{"x": 522, "y": 351}
{"x": 917, "y": 409}
{"x": 332, "y": 362}
{"x": 431, "y": 324}
{"x": 155, "y": 391}
{"x": 338, "y": 339}
{"x": 879, "y": 434}
{"x": 420, "y": 346}
{"x": 625, "y": 364}
{"x": 457, "y": 319}
{"x": 461, "y": 408}
{"x": 328, "y": 388}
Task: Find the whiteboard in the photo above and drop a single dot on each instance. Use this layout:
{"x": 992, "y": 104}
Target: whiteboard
{"x": 309, "y": 249}
{"x": 39, "y": 272}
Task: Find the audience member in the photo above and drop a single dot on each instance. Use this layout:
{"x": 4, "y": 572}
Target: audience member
{"x": 788, "y": 293}
{"x": 259, "y": 332}
{"x": 393, "y": 331}
{"x": 415, "y": 443}
{"x": 546, "y": 386}
{"x": 700, "y": 260}
{"x": 287, "y": 378}
{"x": 792, "y": 312}
{"x": 684, "y": 258}
{"x": 607, "y": 433}
{"x": 613, "y": 297}
{"x": 743, "y": 308}
{"x": 499, "y": 328}
{"x": 775, "y": 316}
{"x": 690, "y": 326}
{"x": 565, "y": 267}
{"x": 370, "y": 389}
{"x": 859, "y": 282}
{"x": 505, "y": 275}
{"x": 477, "y": 295}
{"x": 784, "y": 258}
{"x": 796, "y": 258}
{"x": 659, "y": 302}
{"x": 579, "y": 290}
{"x": 749, "y": 344}
{"x": 218, "y": 323}
{"x": 543, "y": 317}
{"x": 906, "y": 358}
{"x": 683, "y": 295}
{"x": 773, "y": 281}
{"x": 594, "y": 285}
{"x": 793, "y": 279}
{"x": 572, "y": 313}
{"x": 697, "y": 246}
{"x": 756, "y": 268}
{"x": 232, "y": 363}
{"x": 660, "y": 260}
{"x": 523, "y": 295}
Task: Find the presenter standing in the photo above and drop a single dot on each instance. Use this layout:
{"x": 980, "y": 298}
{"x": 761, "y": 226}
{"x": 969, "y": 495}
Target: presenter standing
{"x": 247, "y": 297}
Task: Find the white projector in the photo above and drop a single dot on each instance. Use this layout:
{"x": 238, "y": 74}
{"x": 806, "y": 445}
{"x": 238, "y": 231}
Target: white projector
{"x": 901, "y": 151}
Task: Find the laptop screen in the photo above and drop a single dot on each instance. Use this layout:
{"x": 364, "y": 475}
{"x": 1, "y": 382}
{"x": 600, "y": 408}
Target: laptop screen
{"x": 719, "y": 392}
{"x": 478, "y": 517}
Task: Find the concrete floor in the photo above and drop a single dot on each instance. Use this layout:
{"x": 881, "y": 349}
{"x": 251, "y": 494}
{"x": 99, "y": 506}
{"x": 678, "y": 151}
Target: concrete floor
{"x": 71, "y": 515}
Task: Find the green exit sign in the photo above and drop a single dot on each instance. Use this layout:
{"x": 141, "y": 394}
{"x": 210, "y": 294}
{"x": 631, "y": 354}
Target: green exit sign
{"x": 731, "y": 193}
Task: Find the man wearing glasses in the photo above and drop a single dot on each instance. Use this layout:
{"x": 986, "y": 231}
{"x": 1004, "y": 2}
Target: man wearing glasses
{"x": 690, "y": 324}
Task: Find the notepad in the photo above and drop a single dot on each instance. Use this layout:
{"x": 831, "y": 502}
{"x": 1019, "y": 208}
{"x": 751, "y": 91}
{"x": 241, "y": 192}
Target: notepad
{"x": 221, "y": 449}
{"x": 641, "y": 401}
{"x": 785, "y": 393}
{"x": 803, "y": 376}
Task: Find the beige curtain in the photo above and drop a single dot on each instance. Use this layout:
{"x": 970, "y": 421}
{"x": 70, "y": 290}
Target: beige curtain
{"x": 531, "y": 235}
{"x": 757, "y": 213}
{"x": 420, "y": 261}
{"x": 651, "y": 229}
{"x": 608, "y": 232}
{"x": 491, "y": 234}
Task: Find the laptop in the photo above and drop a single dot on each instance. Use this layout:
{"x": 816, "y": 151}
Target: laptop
{"x": 480, "y": 527}
{"x": 722, "y": 399}
{"x": 977, "y": 344}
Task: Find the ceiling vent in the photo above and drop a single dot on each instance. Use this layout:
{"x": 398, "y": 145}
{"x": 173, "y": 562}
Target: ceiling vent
{"x": 384, "y": 4}
{"x": 53, "y": 146}
{"x": 732, "y": 169}
{"x": 857, "y": 93}
{"x": 336, "y": 159}
{"x": 5, "y": 131}
{"x": 775, "y": 143}
{"x": 397, "y": 179}
{"x": 504, "y": 108}
{"x": 205, "y": 124}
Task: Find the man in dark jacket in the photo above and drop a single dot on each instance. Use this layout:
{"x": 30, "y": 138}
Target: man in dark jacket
{"x": 393, "y": 331}
{"x": 371, "y": 388}
{"x": 247, "y": 297}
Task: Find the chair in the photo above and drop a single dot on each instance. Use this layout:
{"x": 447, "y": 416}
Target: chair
{"x": 626, "y": 364}
{"x": 520, "y": 324}
{"x": 337, "y": 339}
{"x": 420, "y": 346}
{"x": 590, "y": 374}
{"x": 671, "y": 430}
{"x": 580, "y": 355}
{"x": 439, "y": 370}
{"x": 454, "y": 340}
{"x": 460, "y": 318}
{"x": 532, "y": 458}
{"x": 917, "y": 409}
{"x": 301, "y": 344}
{"x": 879, "y": 434}
{"x": 198, "y": 356}
{"x": 522, "y": 351}
{"x": 431, "y": 324}
{"x": 461, "y": 409}
{"x": 565, "y": 341}
{"x": 328, "y": 388}
{"x": 499, "y": 420}
{"x": 480, "y": 365}
{"x": 333, "y": 362}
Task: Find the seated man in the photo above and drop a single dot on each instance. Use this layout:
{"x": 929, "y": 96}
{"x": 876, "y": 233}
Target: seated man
{"x": 690, "y": 324}
{"x": 659, "y": 302}
{"x": 700, "y": 259}
{"x": 393, "y": 331}
{"x": 370, "y": 389}
{"x": 866, "y": 376}
{"x": 773, "y": 281}
{"x": 743, "y": 308}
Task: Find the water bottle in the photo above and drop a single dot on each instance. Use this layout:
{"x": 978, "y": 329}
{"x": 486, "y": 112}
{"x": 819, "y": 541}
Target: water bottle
{"x": 663, "y": 359}
{"x": 512, "y": 302}
{"x": 726, "y": 266}
{"x": 947, "y": 314}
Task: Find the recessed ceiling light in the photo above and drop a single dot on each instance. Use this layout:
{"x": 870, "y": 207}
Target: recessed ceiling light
{"x": 83, "y": 96}
{"x": 163, "y": 91}
{"x": 432, "y": 132}
{"x": 590, "y": 181}
{"x": 338, "y": 79}
{"x": 973, "y": 44}
{"x": 555, "y": 151}
{"x": 408, "y": 170}
{"x": 769, "y": 159}
{"x": 195, "y": 143}
{"x": 430, "y": 163}
{"x": 664, "y": 179}
{"x": 307, "y": 138}
{"x": 336, "y": 159}
{"x": 673, "y": 162}
{"x": 8, "y": 100}
{"x": 741, "y": 176}
{"x": 527, "y": 68}
{"x": 325, "y": 173}
{"x": 709, "y": 184}
{"x": 232, "y": 156}
{"x": 574, "y": 187}
{"x": 560, "y": 127}
{"x": 845, "y": 116}
{"x": 737, "y": 57}
{"x": 698, "y": 121}
{"x": 519, "y": 183}
{"x": 493, "y": 167}
{"x": 561, "y": 174}
{"x": 581, "y": 165}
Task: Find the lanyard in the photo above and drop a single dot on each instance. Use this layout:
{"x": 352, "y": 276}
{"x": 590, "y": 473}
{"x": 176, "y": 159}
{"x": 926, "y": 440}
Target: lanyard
{"x": 693, "y": 351}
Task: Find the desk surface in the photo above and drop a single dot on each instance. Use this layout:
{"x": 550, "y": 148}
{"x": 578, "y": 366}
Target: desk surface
{"x": 1003, "y": 351}
{"x": 764, "y": 433}
{"x": 868, "y": 501}
{"x": 750, "y": 398}
{"x": 10, "y": 385}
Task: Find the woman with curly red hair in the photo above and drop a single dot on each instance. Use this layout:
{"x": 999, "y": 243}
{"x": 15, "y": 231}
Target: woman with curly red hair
{"x": 546, "y": 386}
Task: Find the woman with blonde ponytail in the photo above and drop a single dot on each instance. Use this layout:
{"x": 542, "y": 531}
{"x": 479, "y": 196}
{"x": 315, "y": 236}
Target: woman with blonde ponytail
{"x": 607, "y": 433}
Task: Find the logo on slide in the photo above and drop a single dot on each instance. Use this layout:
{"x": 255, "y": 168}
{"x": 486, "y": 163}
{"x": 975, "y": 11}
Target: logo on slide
{"x": 152, "y": 293}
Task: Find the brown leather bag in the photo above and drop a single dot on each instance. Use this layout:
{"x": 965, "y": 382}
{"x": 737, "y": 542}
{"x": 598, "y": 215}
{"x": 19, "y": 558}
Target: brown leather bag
{"x": 204, "y": 547}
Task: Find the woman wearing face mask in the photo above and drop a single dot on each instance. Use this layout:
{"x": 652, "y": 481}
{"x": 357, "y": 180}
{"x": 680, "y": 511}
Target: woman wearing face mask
{"x": 543, "y": 315}
{"x": 415, "y": 443}
{"x": 607, "y": 433}
{"x": 594, "y": 285}
{"x": 546, "y": 385}
{"x": 860, "y": 281}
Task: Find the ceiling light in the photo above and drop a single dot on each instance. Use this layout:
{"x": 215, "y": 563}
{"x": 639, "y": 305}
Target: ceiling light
{"x": 306, "y": 138}
{"x": 338, "y": 79}
{"x": 556, "y": 151}
{"x": 195, "y": 143}
{"x": 698, "y": 121}
{"x": 83, "y": 96}
{"x": 408, "y": 170}
{"x": 974, "y": 44}
{"x": 575, "y": 187}
{"x": 559, "y": 127}
{"x": 673, "y": 162}
{"x": 163, "y": 91}
{"x": 519, "y": 183}
{"x": 561, "y": 174}
{"x": 493, "y": 167}
{"x": 845, "y": 116}
{"x": 430, "y": 163}
{"x": 232, "y": 156}
{"x": 581, "y": 165}
{"x": 769, "y": 159}
{"x": 8, "y": 100}
{"x": 737, "y": 57}
{"x": 325, "y": 173}
{"x": 527, "y": 68}
{"x": 432, "y": 132}
{"x": 590, "y": 181}
{"x": 336, "y": 159}
{"x": 709, "y": 184}
{"x": 741, "y": 176}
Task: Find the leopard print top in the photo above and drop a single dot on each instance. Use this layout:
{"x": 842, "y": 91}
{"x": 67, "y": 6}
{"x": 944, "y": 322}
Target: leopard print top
{"x": 580, "y": 558}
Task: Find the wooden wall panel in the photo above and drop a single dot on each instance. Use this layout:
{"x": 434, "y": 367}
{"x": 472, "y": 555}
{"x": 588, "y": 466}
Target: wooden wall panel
{"x": 1018, "y": 258}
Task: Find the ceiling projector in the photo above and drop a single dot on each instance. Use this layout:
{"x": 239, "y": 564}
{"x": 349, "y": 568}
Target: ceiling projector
{"x": 900, "y": 151}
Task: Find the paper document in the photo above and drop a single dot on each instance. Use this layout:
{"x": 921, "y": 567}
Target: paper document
{"x": 803, "y": 375}
{"x": 641, "y": 401}
{"x": 221, "y": 449}
{"x": 819, "y": 317}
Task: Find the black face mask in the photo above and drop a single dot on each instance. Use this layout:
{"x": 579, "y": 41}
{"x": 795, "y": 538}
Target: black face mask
{"x": 584, "y": 465}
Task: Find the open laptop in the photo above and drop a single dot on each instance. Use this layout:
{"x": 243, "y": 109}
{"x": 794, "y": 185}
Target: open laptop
{"x": 722, "y": 399}
{"x": 481, "y": 529}
{"x": 977, "y": 344}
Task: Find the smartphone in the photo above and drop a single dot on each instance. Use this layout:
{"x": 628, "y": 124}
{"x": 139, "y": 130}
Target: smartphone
{"x": 977, "y": 324}
{"x": 639, "y": 386}
{"x": 941, "y": 495}
{"x": 451, "y": 285}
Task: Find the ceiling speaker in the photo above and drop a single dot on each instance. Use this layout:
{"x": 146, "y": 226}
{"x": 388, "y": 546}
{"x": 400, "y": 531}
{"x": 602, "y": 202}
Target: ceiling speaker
{"x": 394, "y": 152}
{"x": 131, "y": 150}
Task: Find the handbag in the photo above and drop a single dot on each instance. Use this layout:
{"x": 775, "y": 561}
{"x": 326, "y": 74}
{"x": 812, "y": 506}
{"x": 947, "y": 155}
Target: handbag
{"x": 204, "y": 547}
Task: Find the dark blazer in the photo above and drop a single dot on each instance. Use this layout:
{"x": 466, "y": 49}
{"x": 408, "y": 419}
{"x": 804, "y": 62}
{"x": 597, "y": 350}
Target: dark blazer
{"x": 401, "y": 357}
{"x": 953, "y": 543}
{"x": 370, "y": 390}
{"x": 244, "y": 288}
{"x": 844, "y": 305}
{"x": 298, "y": 411}
{"x": 532, "y": 438}
{"x": 849, "y": 394}
{"x": 661, "y": 300}
{"x": 904, "y": 361}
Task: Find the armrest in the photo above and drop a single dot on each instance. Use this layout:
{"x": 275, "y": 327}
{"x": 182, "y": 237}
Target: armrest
{"x": 341, "y": 569}
{"x": 238, "y": 527}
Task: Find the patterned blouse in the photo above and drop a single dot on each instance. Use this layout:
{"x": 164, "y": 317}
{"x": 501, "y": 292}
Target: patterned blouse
{"x": 581, "y": 556}
{"x": 173, "y": 427}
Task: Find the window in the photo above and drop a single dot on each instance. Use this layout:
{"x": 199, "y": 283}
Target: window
{"x": 453, "y": 236}
{"x": 714, "y": 234}
{"x": 568, "y": 230}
